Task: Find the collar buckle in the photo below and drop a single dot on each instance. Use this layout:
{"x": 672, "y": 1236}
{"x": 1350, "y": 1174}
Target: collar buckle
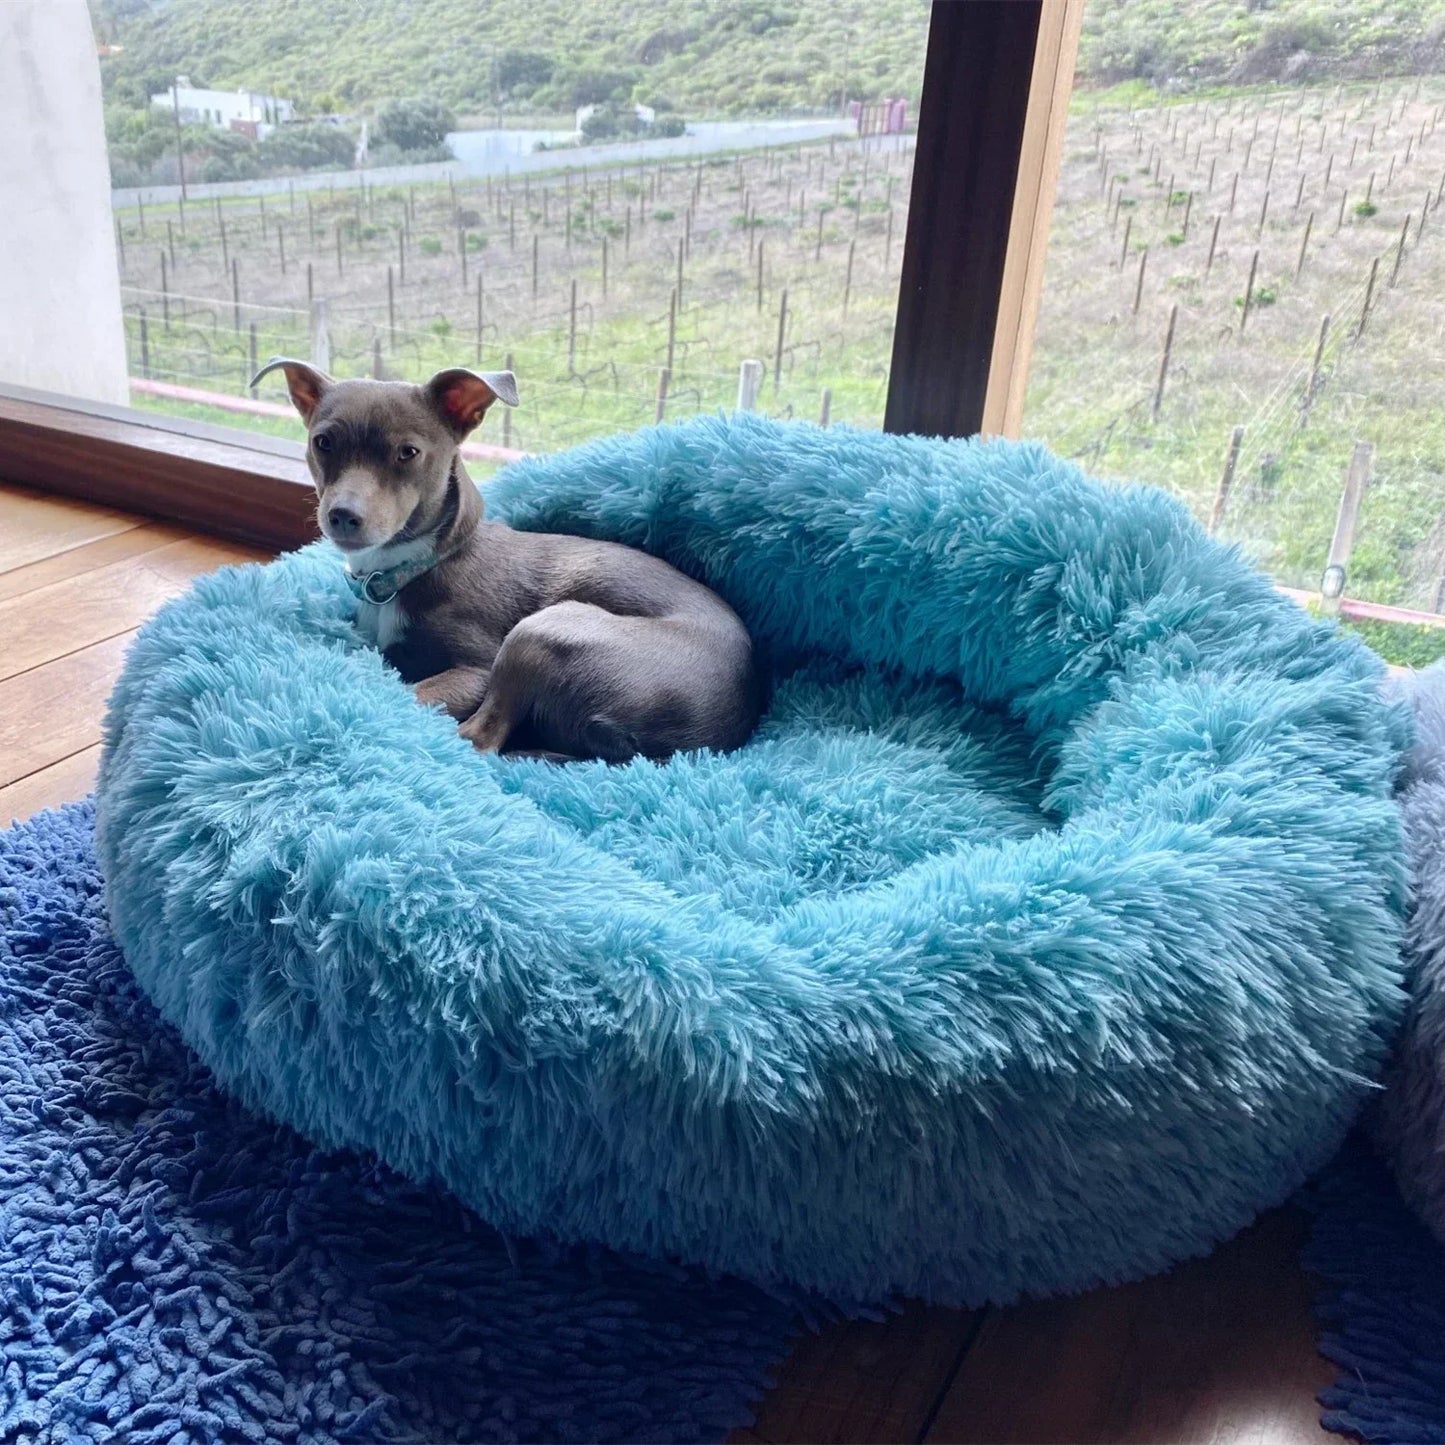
{"x": 379, "y": 588}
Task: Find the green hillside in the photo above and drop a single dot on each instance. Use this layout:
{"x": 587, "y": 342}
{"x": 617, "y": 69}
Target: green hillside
{"x": 713, "y": 57}
{"x": 755, "y": 57}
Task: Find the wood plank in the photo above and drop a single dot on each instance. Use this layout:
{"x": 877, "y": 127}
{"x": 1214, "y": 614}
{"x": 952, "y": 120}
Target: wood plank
{"x": 226, "y": 483}
{"x": 65, "y": 616}
{"x": 61, "y": 782}
{"x": 87, "y": 558}
{"x": 55, "y": 710}
{"x": 34, "y": 526}
{"x": 977, "y": 74}
{"x": 1033, "y": 208}
{"x": 1217, "y": 1350}
{"x": 864, "y": 1381}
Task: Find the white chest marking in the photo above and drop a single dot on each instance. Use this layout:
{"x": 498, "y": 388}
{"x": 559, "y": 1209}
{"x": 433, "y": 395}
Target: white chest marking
{"x": 382, "y": 626}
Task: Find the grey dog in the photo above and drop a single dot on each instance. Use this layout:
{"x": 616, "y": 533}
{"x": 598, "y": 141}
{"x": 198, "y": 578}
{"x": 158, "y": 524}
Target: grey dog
{"x": 532, "y": 641}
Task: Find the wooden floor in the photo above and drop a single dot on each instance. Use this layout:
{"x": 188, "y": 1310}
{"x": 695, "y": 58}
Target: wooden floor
{"x": 1220, "y": 1350}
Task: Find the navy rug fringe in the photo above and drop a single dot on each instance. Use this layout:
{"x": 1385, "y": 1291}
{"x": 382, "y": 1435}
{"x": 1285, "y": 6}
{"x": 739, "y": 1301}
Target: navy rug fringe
{"x": 175, "y": 1269}
{"x": 1382, "y": 1305}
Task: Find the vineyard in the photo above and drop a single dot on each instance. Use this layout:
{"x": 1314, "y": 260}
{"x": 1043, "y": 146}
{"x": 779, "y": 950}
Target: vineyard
{"x": 1285, "y": 252}
{"x": 1266, "y": 263}
{"x": 619, "y": 296}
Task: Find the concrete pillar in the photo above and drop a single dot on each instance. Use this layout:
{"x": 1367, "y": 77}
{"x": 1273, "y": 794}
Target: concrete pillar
{"x": 60, "y": 315}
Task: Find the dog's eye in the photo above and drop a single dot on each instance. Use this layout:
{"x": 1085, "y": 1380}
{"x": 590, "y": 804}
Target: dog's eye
{"x": 405, "y": 454}
{"x": 321, "y": 442}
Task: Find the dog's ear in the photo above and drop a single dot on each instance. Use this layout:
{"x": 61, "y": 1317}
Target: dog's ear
{"x": 306, "y": 385}
{"x": 462, "y": 397}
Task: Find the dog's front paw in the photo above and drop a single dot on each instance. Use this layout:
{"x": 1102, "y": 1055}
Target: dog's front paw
{"x": 486, "y": 729}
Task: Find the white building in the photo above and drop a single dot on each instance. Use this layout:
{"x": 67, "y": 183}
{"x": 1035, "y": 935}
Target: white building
{"x": 242, "y": 110}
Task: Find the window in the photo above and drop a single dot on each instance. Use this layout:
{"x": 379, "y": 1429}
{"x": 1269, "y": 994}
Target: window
{"x": 1239, "y": 295}
{"x": 643, "y": 225}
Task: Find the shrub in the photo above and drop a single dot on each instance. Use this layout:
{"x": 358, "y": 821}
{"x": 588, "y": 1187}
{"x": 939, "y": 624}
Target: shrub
{"x": 429, "y": 246}
{"x": 420, "y": 124}
{"x": 1402, "y": 643}
{"x": 1365, "y": 208}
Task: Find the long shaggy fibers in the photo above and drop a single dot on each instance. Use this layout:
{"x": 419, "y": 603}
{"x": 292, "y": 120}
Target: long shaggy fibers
{"x": 1047, "y": 930}
{"x": 1410, "y": 1121}
{"x": 177, "y": 1271}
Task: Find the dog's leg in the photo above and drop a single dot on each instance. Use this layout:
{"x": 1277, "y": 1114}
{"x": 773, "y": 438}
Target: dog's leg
{"x": 458, "y": 691}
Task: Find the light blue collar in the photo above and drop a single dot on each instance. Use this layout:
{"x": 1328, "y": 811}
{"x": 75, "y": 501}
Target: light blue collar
{"x": 382, "y": 584}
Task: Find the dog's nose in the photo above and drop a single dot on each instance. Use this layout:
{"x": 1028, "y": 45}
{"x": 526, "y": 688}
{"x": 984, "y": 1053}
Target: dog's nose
{"x": 344, "y": 522}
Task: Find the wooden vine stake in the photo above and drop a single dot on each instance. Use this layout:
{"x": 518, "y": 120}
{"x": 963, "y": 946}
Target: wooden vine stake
{"x": 1164, "y": 361}
{"x": 1226, "y": 480}
{"x": 1357, "y": 478}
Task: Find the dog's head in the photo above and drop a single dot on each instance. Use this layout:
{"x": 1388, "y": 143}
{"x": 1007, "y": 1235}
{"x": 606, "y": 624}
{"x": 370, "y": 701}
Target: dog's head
{"x": 382, "y": 453}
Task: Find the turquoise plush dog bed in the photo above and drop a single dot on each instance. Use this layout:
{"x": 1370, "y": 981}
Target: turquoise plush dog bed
{"x": 1046, "y": 931}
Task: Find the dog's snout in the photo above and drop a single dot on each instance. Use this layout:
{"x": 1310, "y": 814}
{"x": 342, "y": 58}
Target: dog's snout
{"x": 343, "y": 521}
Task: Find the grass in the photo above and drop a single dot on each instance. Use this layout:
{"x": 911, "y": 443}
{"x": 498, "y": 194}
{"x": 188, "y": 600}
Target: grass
{"x": 1095, "y": 363}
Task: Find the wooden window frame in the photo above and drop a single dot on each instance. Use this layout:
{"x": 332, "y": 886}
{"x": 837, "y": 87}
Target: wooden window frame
{"x": 997, "y": 79}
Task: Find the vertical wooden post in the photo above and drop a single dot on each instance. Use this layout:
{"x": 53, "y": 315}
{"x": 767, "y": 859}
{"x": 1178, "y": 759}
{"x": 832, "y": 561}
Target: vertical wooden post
{"x": 1263, "y": 212}
{"x": 1233, "y": 191}
{"x": 145, "y": 345}
{"x": 1124, "y": 249}
{"x": 818, "y": 247}
{"x": 572, "y": 330}
{"x": 1164, "y": 361}
{"x": 1313, "y": 385}
{"x": 1400, "y": 250}
{"x": 165, "y": 294}
{"x": 1357, "y": 478}
{"x": 664, "y": 376}
{"x": 281, "y": 246}
{"x": 534, "y": 265}
{"x": 825, "y": 411}
{"x": 225, "y": 248}
{"x": 1248, "y": 293}
{"x": 120, "y": 241}
{"x": 778, "y": 347}
{"x": 1139, "y": 284}
{"x": 671, "y": 327}
{"x": 171, "y": 242}
{"x": 320, "y": 335}
{"x": 310, "y": 286}
{"x": 1226, "y": 480}
{"x": 750, "y": 381}
{"x": 848, "y": 276}
{"x": 1213, "y": 242}
{"x": 1188, "y": 207}
{"x": 1369, "y": 297}
{"x": 508, "y": 365}
{"x": 1299, "y": 265}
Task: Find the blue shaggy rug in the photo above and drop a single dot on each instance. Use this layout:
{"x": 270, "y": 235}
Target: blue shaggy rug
{"x": 1381, "y": 1305}
{"x": 173, "y": 1268}
{"x": 1046, "y": 932}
